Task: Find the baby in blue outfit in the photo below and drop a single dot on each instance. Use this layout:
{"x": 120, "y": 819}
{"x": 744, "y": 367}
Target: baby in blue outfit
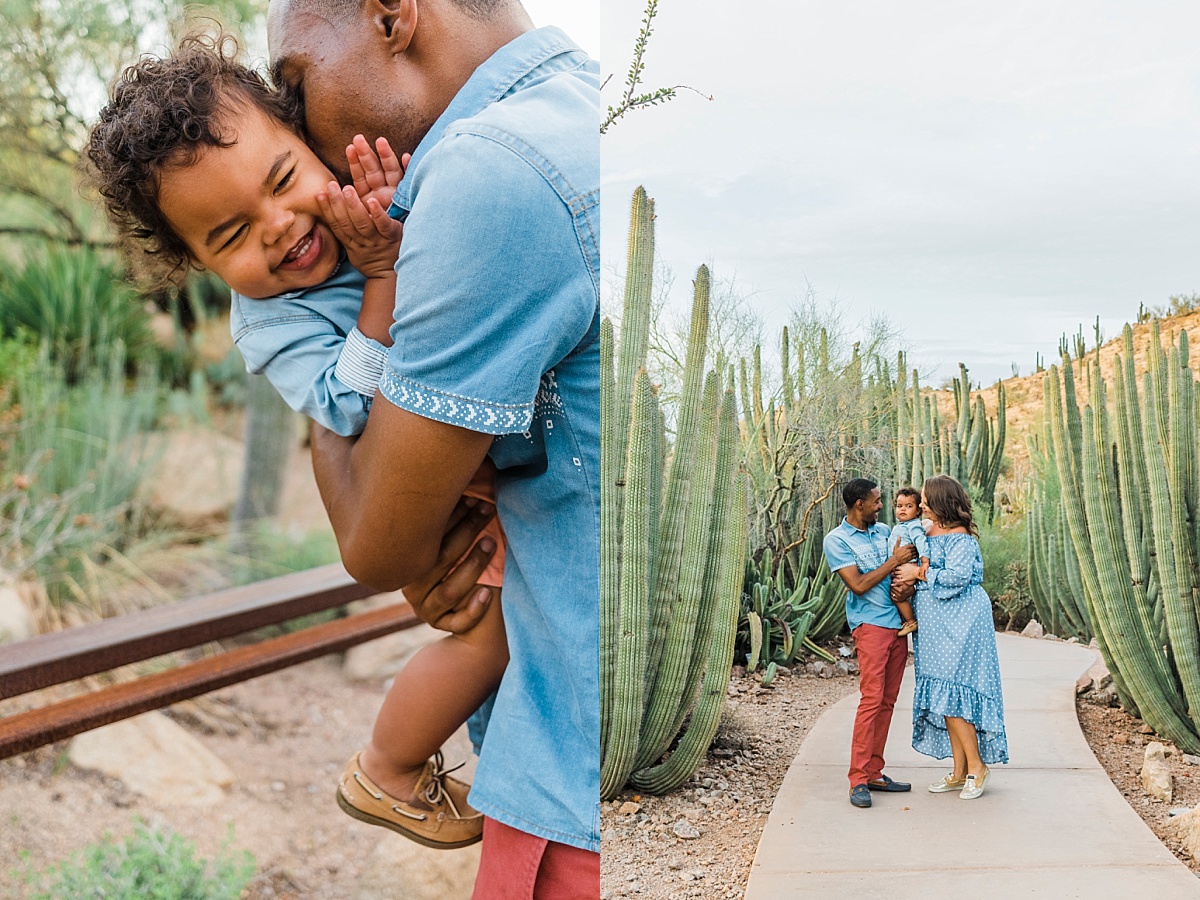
{"x": 909, "y": 529}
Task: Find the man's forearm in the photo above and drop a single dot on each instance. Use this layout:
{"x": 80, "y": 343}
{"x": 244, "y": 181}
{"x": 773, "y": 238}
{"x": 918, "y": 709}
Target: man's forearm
{"x": 389, "y": 493}
{"x": 861, "y": 582}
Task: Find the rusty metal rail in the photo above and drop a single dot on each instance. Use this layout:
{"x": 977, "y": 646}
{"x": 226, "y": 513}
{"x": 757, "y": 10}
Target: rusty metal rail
{"x": 90, "y": 649}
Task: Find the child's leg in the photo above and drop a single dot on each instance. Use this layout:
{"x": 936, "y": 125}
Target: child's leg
{"x": 905, "y": 608}
{"x": 431, "y": 697}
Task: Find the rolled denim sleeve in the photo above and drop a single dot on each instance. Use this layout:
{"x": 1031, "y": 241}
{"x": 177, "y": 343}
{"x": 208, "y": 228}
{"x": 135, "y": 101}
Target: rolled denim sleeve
{"x": 309, "y": 360}
{"x": 487, "y": 301}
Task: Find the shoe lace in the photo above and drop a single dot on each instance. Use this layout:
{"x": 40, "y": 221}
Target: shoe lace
{"x": 435, "y": 791}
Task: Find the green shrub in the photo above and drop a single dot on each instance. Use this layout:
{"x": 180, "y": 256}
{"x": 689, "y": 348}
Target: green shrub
{"x": 72, "y": 459}
{"x": 148, "y": 865}
{"x": 78, "y": 304}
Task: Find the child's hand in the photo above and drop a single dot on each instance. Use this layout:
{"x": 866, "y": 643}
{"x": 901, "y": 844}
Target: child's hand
{"x": 371, "y": 237}
{"x": 923, "y": 570}
{"x": 376, "y": 173}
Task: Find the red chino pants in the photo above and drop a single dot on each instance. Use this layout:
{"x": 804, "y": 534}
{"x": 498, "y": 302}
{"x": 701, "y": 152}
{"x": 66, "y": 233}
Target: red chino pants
{"x": 881, "y": 658}
{"x": 515, "y": 865}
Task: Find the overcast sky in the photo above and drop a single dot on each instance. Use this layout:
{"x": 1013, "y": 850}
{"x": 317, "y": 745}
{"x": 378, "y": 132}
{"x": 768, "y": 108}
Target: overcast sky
{"x": 988, "y": 175}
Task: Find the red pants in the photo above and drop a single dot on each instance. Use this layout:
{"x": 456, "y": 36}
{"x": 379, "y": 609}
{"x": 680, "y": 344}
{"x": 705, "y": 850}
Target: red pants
{"x": 881, "y": 658}
{"x": 515, "y": 865}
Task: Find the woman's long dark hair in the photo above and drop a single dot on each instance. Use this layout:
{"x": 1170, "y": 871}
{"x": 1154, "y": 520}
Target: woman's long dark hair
{"x": 947, "y": 500}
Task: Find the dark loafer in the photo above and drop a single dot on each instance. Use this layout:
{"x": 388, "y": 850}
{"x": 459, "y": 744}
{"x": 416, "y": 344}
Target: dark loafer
{"x": 886, "y": 784}
{"x": 860, "y": 796}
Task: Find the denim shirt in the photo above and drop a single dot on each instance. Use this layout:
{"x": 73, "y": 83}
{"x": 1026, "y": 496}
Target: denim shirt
{"x": 498, "y": 330}
{"x": 866, "y": 549}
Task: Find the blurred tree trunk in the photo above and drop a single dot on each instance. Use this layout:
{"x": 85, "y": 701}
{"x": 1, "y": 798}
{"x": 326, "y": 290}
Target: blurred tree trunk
{"x": 270, "y": 429}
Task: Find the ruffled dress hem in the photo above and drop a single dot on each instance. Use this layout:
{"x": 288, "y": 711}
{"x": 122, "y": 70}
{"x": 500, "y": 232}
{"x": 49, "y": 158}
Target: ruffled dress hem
{"x": 934, "y": 699}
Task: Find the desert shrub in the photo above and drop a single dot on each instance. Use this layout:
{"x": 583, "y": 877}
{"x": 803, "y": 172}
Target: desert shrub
{"x": 72, "y": 457}
{"x": 1005, "y": 567}
{"x": 150, "y": 864}
{"x": 79, "y": 305}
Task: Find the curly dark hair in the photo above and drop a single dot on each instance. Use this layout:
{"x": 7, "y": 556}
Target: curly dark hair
{"x": 162, "y": 113}
{"x": 909, "y": 491}
{"x": 948, "y": 503}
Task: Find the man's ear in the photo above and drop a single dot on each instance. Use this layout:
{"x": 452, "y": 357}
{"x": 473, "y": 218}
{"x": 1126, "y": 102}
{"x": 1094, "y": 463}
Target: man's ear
{"x": 395, "y": 21}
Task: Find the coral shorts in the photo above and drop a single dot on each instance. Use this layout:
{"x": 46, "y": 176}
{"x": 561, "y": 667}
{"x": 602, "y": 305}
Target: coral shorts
{"x": 483, "y": 487}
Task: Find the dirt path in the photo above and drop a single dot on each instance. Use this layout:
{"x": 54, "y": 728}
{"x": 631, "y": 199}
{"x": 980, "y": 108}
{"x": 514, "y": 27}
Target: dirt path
{"x": 301, "y": 725}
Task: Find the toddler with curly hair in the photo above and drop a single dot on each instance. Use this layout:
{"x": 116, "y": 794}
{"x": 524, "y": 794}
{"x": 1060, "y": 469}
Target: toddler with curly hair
{"x": 201, "y": 166}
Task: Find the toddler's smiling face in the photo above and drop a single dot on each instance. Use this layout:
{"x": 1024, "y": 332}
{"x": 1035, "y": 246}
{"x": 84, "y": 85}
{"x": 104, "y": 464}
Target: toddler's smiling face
{"x": 248, "y": 211}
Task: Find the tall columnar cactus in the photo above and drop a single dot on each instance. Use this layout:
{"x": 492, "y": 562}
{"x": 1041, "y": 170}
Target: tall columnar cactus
{"x": 673, "y": 544}
{"x": 1126, "y": 478}
{"x": 971, "y": 448}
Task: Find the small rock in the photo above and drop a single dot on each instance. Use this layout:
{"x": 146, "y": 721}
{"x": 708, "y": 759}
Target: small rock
{"x": 686, "y": 830}
{"x": 845, "y": 651}
{"x": 1052, "y": 637}
{"x": 843, "y": 667}
{"x": 16, "y": 621}
{"x": 629, "y": 808}
{"x": 1033, "y": 629}
{"x": 1178, "y": 811}
{"x": 1156, "y": 775}
{"x": 1120, "y": 738}
{"x": 1191, "y": 760}
{"x": 155, "y": 757}
{"x": 1072, "y": 640}
{"x": 1145, "y": 729}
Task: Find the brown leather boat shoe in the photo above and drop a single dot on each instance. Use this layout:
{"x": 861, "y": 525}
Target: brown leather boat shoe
{"x": 439, "y": 815}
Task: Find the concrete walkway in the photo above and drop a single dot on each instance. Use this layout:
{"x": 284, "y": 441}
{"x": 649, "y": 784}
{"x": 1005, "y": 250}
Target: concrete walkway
{"x": 1050, "y": 825}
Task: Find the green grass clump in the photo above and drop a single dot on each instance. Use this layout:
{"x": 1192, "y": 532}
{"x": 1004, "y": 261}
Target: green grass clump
{"x": 150, "y": 864}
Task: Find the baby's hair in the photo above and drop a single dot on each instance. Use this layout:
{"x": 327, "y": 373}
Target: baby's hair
{"x": 163, "y": 113}
{"x": 909, "y": 492}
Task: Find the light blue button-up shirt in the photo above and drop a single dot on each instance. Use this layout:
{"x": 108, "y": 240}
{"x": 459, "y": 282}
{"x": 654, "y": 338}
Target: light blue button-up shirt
{"x": 497, "y": 330}
{"x": 866, "y": 549}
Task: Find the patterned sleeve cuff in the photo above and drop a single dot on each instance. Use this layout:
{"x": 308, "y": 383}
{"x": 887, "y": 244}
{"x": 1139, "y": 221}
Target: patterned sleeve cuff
{"x": 471, "y": 413}
{"x": 361, "y": 363}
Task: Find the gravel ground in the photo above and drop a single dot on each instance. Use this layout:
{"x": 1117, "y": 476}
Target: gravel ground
{"x": 700, "y": 840}
{"x": 1118, "y": 740}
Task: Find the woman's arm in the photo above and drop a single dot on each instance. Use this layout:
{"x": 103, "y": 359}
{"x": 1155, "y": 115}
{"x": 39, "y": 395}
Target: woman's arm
{"x": 955, "y": 573}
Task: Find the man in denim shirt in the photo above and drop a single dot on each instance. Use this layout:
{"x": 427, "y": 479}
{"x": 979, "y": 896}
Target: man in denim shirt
{"x": 496, "y": 351}
{"x": 857, "y": 550}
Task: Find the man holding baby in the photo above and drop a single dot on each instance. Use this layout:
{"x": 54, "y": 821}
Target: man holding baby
{"x": 496, "y": 354}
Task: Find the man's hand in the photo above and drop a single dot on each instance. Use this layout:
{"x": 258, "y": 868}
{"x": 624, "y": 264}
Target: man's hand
{"x": 902, "y": 554}
{"x": 904, "y": 581}
{"x": 454, "y": 602}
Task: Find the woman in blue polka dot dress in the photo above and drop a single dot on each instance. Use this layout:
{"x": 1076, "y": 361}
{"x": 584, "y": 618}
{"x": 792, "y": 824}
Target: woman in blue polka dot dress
{"x": 958, "y": 710}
